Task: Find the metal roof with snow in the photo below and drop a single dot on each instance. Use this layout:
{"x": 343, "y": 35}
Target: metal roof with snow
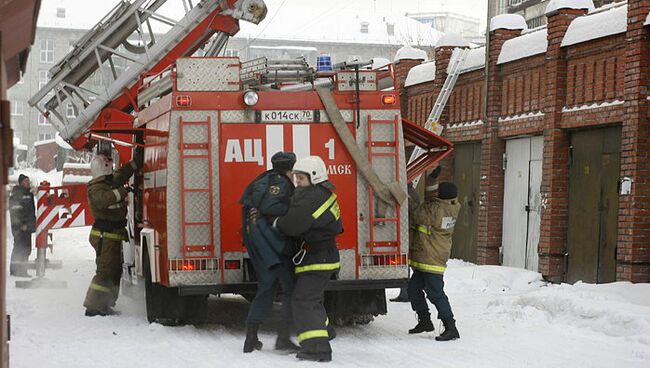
{"x": 607, "y": 21}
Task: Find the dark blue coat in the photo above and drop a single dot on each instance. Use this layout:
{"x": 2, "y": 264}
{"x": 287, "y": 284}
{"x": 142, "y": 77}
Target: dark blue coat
{"x": 270, "y": 193}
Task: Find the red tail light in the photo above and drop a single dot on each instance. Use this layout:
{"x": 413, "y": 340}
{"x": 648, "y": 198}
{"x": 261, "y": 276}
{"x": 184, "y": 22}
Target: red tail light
{"x": 388, "y": 99}
{"x": 389, "y": 260}
{"x": 231, "y": 265}
{"x": 183, "y": 101}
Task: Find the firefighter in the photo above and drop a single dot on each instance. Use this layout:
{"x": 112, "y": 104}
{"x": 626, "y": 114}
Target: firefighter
{"x": 314, "y": 219}
{"x": 265, "y": 198}
{"x": 107, "y": 195}
{"x": 23, "y": 224}
{"x": 433, "y": 223}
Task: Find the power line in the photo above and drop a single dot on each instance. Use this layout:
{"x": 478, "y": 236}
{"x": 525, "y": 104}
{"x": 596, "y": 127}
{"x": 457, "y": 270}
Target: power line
{"x": 266, "y": 26}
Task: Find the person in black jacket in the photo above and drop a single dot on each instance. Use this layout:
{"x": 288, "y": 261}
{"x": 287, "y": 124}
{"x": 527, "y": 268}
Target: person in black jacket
{"x": 314, "y": 219}
{"x": 265, "y": 198}
{"x": 23, "y": 224}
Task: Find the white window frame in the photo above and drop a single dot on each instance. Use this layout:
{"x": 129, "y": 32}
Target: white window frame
{"x": 43, "y": 78}
{"x": 47, "y": 50}
{"x": 45, "y": 136}
{"x": 231, "y": 53}
{"x": 69, "y": 111}
{"x": 42, "y": 120}
{"x": 60, "y": 12}
{"x": 17, "y": 108}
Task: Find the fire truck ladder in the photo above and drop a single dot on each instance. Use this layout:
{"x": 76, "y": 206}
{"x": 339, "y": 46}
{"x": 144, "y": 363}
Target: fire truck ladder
{"x": 453, "y": 71}
{"x": 196, "y": 188}
{"x": 388, "y": 149}
{"x": 95, "y": 73}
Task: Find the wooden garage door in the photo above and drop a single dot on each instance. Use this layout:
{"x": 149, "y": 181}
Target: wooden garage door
{"x": 593, "y": 205}
{"x": 467, "y": 171}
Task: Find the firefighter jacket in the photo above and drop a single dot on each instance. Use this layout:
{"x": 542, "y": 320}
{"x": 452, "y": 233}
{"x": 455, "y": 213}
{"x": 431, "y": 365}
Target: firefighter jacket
{"x": 315, "y": 219}
{"x": 21, "y": 210}
{"x": 270, "y": 194}
{"x": 107, "y": 199}
{"x": 432, "y": 223}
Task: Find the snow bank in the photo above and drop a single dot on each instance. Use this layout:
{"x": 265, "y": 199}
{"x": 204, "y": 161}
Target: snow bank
{"x": 528, "y": 44}
{"x": 74, "y": 165}
{"x": 597, "y": 25}
{"x": 618, "y": 309}
{"x": 555, "y": 5}
{"x": 452, "y": 40}
{"x": 76, "y": 179}
{"x": 408, "y": 52}
{"x": 475, "y": 60}
{"x": 47, "y": 141}
{"x": 36, "y": 176}
{"x": 467, "y": 277}
{"x": 421, "y": 73}
{"x": 507, "y": 21}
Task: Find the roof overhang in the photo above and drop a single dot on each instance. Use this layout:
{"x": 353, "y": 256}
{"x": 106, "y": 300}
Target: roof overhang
{"x": 17, "y": 29}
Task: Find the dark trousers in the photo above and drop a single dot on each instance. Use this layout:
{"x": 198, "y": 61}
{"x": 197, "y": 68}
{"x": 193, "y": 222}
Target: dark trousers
{"x": 309, "y": 312}
{"x": 20, "y": 253}
{"x": 267, "y": 281}
{"x": 105, "y": 285}
{"x": 433, "y": 284}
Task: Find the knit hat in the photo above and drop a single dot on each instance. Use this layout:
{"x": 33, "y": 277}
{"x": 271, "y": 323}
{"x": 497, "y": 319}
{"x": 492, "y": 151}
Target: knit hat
{"x": 22, "y": 177}
{"x": 447, "y": 190}
{"x": 283, "y": 161}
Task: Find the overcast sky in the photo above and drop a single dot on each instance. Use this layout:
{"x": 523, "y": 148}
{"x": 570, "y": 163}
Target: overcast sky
{"x": 87, "y": 13}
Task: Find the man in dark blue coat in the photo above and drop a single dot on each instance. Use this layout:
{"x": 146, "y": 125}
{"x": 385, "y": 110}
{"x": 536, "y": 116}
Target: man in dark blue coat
{"x": 23, "y": 224}
{"x": 265, "y": 198}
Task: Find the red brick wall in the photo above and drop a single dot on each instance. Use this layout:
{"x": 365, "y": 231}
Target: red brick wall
{"x": 46, "y": 156}
{"x": 601, "y": 82}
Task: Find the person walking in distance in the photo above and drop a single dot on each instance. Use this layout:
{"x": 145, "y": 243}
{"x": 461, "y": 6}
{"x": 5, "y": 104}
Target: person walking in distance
{"x": 107, "y": 196}
{"x": 433, "y": 224}
{"x": 264, "y": 199}
{"x": 23, "y": 224}
{"x": 314, "y": 218}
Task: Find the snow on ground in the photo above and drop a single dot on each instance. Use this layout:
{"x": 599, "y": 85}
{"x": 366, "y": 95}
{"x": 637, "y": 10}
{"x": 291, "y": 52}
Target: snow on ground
{"x": 507, "y": 318}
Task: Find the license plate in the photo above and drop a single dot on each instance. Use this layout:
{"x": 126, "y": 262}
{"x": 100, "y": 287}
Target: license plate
{"x": 281, "y": 116}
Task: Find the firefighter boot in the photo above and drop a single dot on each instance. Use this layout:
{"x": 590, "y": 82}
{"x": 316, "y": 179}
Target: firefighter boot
{"x": 283, "y": 342}
{"x": 424, "y": 323}
{"x": 252, "y": 342}
{"x": 450, "y": 333}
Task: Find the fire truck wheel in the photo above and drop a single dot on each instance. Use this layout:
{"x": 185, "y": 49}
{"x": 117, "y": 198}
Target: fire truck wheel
{"x": 165, "y": 306}
{"x": 355, "y": 307}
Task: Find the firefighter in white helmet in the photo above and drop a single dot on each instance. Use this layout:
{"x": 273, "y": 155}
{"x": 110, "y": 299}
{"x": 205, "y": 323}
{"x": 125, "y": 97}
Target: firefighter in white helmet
{"x": 107, "y": 195}
{"x": 314, "y": 219}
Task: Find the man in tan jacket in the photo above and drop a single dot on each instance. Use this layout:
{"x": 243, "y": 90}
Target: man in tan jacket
{"x": 432, "y": 224}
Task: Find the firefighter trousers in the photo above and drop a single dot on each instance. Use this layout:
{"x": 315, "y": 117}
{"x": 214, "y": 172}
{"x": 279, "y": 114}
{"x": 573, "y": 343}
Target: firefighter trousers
{"x": 309, "y": 313}
{"x": 267, "y": 282}
{"x": 105, "y": 286}
{"x": 20, "y": 253}
{"x": 433, "y": 284}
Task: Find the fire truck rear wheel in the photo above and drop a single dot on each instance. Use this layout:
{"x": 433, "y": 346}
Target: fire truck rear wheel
{"x": 165, "y": 306}
{"x": 355, "y": 307}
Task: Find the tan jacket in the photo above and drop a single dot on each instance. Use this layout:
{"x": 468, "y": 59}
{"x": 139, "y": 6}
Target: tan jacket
{"x": 107, "y": 198}
{"x": 432, "y": 225}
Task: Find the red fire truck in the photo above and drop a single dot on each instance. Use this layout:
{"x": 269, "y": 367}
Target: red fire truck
{"x": 209, "y": 125}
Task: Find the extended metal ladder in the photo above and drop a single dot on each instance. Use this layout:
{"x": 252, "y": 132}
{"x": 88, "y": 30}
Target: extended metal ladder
{"x": 71, "y": 86}
{"x": 453, "y": 71}
{"x": 196, "y": 188}
{"x": 391, "y": 247}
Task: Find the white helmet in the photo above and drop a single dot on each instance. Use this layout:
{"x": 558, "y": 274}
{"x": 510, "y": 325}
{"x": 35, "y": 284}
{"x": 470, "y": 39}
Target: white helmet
{"x": 312, "y": 166}
{"x": 101, "y": 166}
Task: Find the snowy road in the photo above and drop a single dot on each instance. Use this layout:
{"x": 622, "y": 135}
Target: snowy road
{"x": 506, "y": 318}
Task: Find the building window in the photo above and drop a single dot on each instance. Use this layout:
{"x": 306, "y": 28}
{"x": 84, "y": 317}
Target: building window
{"x": 364, "y": 27}
{"x": 44, "y": 136}
{"x": 42, "y": 120}
{"x": 60, "y": 12}
{"x": 70, "y": 111}
{"x": 17, "y": 108}
{"x": 231, "y": 53}
{"x": 390, "y": 29}
{"x": 47, "y": 50}
{"x": 43, "y": 78}
{"x": 21, "y": 80}
{"x": 536, "y": 22}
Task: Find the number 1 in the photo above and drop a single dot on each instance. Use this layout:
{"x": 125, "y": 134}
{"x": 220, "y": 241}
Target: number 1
{"x": 330, "y": 147}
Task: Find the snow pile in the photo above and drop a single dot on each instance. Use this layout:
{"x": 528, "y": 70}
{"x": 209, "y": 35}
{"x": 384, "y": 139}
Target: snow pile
{"x": 76, "y": 179}
{"x": 36, "y": 176}
{"x": 422, "y": 73}
{"x": 408, "y": 52}
{"x": 475, "y": 60}
{"x": 597, "y": 25}
{"x": 555, "y": 5}
{"x": 465, "y": 277}
{"x": 379, "y": 62}
{"x": 452, "y": 40}
{"x": 619, "y": 309}
{"x": 76, "y": 165}
{"x": 528, "y": 44}
{"x": 43, "y": 142}
{"x": 507, "y": 21}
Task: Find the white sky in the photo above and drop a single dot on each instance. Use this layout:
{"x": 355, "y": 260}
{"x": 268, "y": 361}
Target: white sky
{"x": 86, "y": 13}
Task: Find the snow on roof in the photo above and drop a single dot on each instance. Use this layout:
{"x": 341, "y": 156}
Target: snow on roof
{"x": 298, "y": 48}
{"x": 379, "y": 62}
{"x": 47, "y": 141}
{"x": 475, "y": 60}
{"x": 408, "y": 52}
{"x": 421, "y": 73}
{"x": 507, "y": 21}
{"x": 602, "y": 24}
{"x": 70, "y": 179}
{"x": 63, "y": 144}
{"x": 555, "y": 5}
{"x": 75, "y": 165}
{"x": 528, "y": 44}
{"x": 452, "y": 39}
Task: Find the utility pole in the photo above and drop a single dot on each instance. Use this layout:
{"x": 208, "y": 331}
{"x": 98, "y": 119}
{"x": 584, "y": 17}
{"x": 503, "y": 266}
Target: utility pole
{"x": 494, "y": 7}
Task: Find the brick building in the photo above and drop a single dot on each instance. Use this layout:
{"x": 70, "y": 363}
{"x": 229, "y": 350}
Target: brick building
{"x": 544, "y": 160}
